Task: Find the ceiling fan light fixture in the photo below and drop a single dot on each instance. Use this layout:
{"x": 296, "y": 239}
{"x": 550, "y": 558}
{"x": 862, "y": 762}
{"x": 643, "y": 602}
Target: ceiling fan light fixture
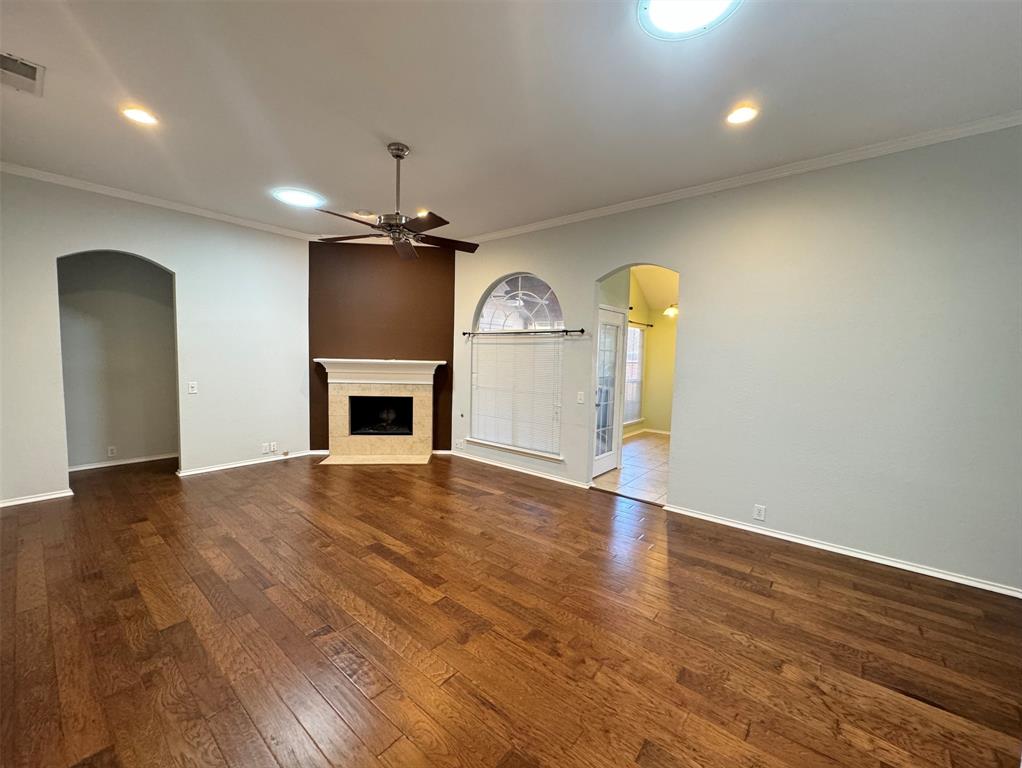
{"x": 299, "y": 198}
{"x": 682, "y": 19}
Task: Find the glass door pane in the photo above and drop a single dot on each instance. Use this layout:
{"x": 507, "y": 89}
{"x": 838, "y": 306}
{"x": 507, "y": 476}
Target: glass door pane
{"x": 609, "y": 346}
{"x": 606, "y": 384}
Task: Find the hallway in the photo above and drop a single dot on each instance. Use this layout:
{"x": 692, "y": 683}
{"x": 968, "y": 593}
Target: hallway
{"x": 643, "y": 471}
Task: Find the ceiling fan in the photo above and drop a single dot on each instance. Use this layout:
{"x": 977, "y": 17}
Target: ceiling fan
{"x": 404, "y": 231}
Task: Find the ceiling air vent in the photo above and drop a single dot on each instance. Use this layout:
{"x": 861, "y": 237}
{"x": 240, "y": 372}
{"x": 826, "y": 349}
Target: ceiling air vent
{"x": 21, "y": 75}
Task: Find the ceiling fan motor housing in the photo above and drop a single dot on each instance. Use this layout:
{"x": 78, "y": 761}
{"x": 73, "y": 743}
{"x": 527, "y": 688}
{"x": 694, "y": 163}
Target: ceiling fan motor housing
{"x": 392, "y": 220}
{"x": 398, "y": 150}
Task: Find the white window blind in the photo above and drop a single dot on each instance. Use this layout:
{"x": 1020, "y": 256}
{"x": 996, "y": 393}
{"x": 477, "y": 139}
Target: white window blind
{"x": 516, "y": 378}
{"x": 516, "y": 391}
{"x": 634, "y": 353}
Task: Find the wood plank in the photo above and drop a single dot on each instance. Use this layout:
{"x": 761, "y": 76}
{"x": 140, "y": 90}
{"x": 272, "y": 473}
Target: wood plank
{"x": 239, "y": 740}
{"x": 452, "y": 614}
{"x": 187, "y": 733}
{"x": 38, "y": 741}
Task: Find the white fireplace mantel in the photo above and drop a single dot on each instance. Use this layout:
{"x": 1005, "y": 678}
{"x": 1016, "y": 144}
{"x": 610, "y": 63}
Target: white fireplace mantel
{"x": 341, "y": 370}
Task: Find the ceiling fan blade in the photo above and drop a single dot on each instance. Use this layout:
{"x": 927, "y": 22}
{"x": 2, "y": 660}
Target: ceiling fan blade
{"x": 346, "y": 237}
{"x": 426, "y": 222}
{"x": 446, "y": 242}
{"x": 405, "y": 249}
{"x": 349, "y": 218}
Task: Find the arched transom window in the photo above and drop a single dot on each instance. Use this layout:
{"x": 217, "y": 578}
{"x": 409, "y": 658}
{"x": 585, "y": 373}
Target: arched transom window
{"x": 520, "y": 302}
{"x": 516, "y": 372}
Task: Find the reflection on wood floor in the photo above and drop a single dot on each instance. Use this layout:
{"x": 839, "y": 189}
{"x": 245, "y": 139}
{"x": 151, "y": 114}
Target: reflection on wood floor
{"x": 455, "y": 614}
{"x": 643, "y": 471}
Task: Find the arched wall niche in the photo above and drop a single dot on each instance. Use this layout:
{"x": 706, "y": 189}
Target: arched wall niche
{"x": 118, "y": 358}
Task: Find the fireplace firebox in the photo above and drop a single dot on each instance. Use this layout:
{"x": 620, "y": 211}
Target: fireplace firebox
{"x": 377, "y": 415}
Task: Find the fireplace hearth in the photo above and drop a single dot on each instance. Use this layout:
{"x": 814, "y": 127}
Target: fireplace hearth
{"x": 380, "y": 415}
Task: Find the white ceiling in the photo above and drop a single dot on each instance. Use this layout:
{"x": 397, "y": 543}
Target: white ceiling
{"x": 515, "y": 111}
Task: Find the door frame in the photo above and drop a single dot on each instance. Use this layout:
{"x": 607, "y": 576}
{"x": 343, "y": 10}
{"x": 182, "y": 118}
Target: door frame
{"x": 618, "y": 414}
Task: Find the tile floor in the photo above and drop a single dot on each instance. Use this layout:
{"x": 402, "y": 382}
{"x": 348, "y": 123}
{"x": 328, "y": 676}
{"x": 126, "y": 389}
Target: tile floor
{"x": 643, "y": 471}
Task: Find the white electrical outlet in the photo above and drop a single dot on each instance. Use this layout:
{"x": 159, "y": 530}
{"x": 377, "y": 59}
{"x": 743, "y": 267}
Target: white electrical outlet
{"x": 193, "y": 387}
{"x": 111, "y": 451}
{"x": 459, "y": 444}
{"x": 759, "y": 512}
{"x": 273, "y": 447}
{"x": 266, "y": 447}
{"x": 580, "y": 398}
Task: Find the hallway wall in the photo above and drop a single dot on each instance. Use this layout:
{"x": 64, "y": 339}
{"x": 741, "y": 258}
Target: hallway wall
{"x": 658, "y": 374}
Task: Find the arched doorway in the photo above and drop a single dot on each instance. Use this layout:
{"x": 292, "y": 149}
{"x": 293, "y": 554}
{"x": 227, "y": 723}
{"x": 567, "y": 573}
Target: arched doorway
{"x": 633, "y": 366}
{"x": 119, "y": 358}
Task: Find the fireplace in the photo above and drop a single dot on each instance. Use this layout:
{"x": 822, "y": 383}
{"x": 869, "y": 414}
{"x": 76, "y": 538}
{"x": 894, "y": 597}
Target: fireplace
{"x": 381, "y": 411}
{"x": 379, "y": 415}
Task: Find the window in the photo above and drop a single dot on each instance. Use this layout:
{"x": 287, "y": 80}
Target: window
{"x": 518, "y": 303}
{"x": 634, "y": 352}
{"x": 516, "y": 378}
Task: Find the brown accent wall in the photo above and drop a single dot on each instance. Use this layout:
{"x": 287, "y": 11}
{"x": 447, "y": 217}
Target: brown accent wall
{"x": 364, "y": 301}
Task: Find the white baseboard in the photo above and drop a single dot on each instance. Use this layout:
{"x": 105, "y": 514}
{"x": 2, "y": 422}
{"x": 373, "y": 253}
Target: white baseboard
{"x": 245, "y": 463}
{"x": 513, "y": 468}
{"x": 37, "y": 497}
{"x": 442, "y": 452}
{"x": 651, "y": 431}
{"x": 904, "y": 565}
{"x": 119, "y": 462}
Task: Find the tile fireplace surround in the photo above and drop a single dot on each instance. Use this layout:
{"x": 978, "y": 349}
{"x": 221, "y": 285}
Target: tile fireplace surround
{"x": 380, "y": 378}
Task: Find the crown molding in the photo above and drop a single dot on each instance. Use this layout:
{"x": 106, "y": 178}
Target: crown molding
{"x": 158, "y": 202}
{"x": 925, "y": 139}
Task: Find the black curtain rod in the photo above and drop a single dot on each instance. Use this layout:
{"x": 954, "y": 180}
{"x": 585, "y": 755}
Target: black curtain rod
{"x": 636, "y": 322}
{"x": 554, "y": 331}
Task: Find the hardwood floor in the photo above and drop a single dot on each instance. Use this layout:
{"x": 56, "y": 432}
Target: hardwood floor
{"x": 460, "y": 615}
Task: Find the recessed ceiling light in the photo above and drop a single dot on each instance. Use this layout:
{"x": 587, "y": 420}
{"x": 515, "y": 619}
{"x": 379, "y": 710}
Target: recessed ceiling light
{"x": 422, "y": 212}
{"x": 302, "y": 198}
{"x": 681, "y": 19}
{"x": 139, "y": 115}
{"x": 742, "y": 114}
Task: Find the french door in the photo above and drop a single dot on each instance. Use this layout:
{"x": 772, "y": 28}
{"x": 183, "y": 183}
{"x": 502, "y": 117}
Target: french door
{"x": 610, "y": 341}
